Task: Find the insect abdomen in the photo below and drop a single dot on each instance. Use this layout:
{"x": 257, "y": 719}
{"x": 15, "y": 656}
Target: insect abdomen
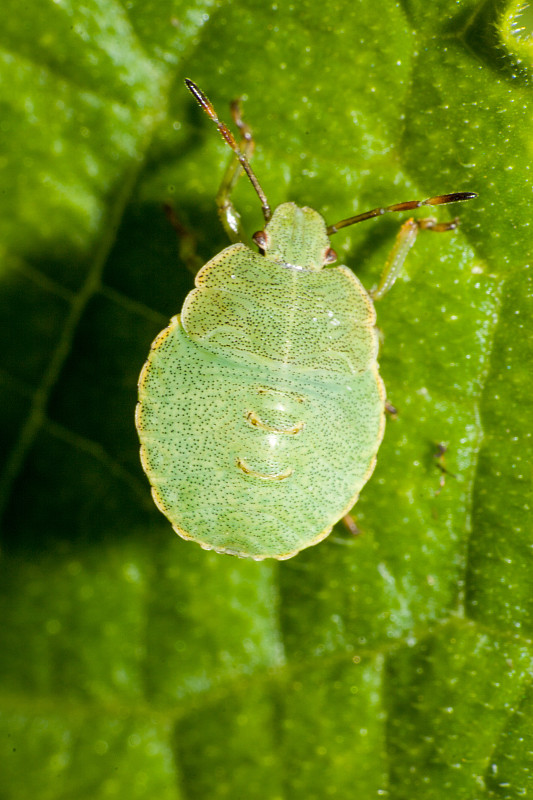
{"x": 254, "y": 462}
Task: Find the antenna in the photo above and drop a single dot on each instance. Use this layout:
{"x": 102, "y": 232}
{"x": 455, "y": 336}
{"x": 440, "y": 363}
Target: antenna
{"x": 440, "y": 200}
{"x": 229, "y": 138}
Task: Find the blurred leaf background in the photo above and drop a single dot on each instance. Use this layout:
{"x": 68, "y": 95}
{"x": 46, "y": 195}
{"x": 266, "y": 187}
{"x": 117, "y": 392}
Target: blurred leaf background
{"x": 396, "y": 664}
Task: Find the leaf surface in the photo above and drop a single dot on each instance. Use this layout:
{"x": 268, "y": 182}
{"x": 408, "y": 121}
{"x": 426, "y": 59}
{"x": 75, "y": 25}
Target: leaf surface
{"x": 393, "y": 664}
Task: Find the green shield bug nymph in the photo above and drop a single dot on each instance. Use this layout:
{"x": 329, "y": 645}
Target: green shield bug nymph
{"x": 261, "y": 409}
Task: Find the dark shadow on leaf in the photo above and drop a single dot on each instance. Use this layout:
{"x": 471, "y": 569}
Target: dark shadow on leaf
{"x": 481, "y": 35}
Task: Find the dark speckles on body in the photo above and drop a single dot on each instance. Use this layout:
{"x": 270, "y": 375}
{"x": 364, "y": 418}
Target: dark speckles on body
{"x": 261, "y": 412}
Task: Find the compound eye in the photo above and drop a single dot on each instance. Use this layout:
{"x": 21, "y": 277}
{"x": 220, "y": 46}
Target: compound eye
{"x": 330, "y": 256}
{"x": 261, "y": 239}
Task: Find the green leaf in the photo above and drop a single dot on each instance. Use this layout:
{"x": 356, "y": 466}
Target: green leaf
{"x": 394, "y": 664}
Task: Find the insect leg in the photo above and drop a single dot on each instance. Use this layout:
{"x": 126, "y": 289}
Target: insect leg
{"x": 441, "y": 465}
{"x": 230, "y": 217}
{"x": 391, "y": 410}
{"x": 351, "y": 525}
{"x": 186, "y": 239}
{"x": 404, "y": 241}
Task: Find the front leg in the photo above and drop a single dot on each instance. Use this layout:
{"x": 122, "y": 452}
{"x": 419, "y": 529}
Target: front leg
{"x": 230, "y": 217}
{"x": 404, "y": 241}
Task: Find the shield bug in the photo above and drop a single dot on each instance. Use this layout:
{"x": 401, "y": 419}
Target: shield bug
{"x": 261, "y": 409}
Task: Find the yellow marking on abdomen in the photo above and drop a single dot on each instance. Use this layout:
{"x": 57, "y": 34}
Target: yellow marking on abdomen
{"x": 277, "y": 476}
